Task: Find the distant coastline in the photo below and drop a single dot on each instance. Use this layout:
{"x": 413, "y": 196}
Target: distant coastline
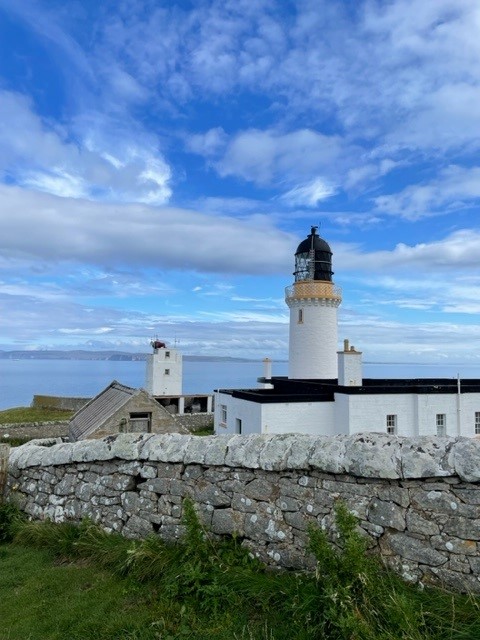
{"x": 114, "y": 356}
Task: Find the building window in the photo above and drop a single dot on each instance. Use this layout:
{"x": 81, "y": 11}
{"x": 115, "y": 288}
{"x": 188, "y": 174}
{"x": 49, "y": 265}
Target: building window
{"x": 392, "y": 424}
{"x": 441, "y": 424}
{"x": 223, "y": 414}
{"x": 300, "y": 316}
{"x": 238, "y": 426}
{"x": 140, "y": 422}
{"x": 167, "y": 372}
{"x": 167, "y": 354}
{"x": 477, "y": 423}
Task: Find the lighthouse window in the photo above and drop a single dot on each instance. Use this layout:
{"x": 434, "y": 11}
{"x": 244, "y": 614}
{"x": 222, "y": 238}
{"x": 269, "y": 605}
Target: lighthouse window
{"x": 300, "y": 316}
{"x": 477, "y": 423}
{"x": 441, "y": 424}
{"x": 392, "y": 424}
{"x": 167, "y": 354}
{"x": 167, "y": 372}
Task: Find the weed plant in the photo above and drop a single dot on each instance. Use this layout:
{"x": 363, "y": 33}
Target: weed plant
{"x": 213, "y": 589}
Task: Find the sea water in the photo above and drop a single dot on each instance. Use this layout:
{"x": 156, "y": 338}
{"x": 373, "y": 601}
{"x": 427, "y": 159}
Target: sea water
{"x": 20, "y": 380}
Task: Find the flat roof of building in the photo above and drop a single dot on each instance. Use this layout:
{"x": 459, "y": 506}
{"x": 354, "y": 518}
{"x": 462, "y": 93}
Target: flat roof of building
{"x": 289, "y": 390}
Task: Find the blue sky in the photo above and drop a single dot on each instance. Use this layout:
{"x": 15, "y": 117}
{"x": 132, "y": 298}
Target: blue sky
{"x": 161, "y": 161}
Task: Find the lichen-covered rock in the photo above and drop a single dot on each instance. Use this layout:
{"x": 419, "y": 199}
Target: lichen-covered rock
{"x": 373, "y": 455}
{"x": 386, "y": 514}
{"x": 466, "y": 459}
{"x": 328, "y": 454}
{"x": 169, "y": 447}
{"x": 276, "y": 451}
{"x": 427, "y": 457}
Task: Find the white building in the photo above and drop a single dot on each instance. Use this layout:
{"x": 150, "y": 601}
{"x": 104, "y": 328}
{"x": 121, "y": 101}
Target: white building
{"x": 164, "y": 380}
{"x": 164, "y": 371}
{"x": 325, "y": 392}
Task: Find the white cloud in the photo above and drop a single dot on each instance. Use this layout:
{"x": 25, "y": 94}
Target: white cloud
{"x": 458, "y": 250}
{"x": 454, "y": 188}
{"x": 40, "y": 156}
{"x": 136, "y": 235}
{"x": 309, "y": 194}
{"x": 209, "y": 143}
{"x": 266, "y": 156}
{"x": 59, "y": 183}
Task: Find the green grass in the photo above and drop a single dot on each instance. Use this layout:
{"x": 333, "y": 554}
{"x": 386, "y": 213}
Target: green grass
{"x": 42, "y": 599}
{"x": 19, "y": 415}
{"x": 204, "y": 431}
{"x": 77, "y": 582}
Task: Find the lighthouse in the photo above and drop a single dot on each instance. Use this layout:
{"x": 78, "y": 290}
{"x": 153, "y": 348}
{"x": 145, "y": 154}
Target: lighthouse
{"x": 313, "y": 300}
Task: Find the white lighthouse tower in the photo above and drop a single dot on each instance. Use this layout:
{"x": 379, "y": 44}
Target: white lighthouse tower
{"x": 313, "y": 300}
{"x": 164, "y": 371}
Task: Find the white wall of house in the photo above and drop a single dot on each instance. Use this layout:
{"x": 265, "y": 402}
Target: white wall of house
{"x": 341, "y": 419}
{"x": 314, "y": 418}
{"x": 412, "y": 414}
{"x": 416, "y": 414}
{"x": 233, "y": 415}
{"x": 243, "y": 416}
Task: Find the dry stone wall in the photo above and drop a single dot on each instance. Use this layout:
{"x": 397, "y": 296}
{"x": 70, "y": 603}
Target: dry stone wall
{"x": 417, "y": 499}
{"x": 51, "y": 429}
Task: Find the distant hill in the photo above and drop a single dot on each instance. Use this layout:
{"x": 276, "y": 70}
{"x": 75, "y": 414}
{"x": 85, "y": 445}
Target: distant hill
{"x": 103, "y": 355}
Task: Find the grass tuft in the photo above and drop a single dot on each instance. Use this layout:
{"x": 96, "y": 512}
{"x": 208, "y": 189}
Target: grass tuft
{"x": 10, "y": 521}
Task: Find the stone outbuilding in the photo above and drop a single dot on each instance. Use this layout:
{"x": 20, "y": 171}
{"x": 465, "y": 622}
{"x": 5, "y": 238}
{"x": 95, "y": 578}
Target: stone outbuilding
{"x": 121, "y": 409}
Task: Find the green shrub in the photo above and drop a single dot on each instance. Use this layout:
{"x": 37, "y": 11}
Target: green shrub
{"x": 10, "y": 519}
{"x": 355, "y": 596}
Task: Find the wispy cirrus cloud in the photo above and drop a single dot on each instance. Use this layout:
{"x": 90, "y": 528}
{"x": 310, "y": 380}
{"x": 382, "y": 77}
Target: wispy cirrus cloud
{"x": 40, "y": 156}
{"x": 309, "y": 194}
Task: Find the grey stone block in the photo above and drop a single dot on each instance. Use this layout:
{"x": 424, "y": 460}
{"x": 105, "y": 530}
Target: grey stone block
{"x": 416, "y": 550}
{"x": 427, "y": 457}
{"x": 386, "y": 514}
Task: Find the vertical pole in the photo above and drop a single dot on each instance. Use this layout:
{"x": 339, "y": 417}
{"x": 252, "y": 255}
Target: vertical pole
{"x": 181, "y": 405}
{"x": 459, "y": 408}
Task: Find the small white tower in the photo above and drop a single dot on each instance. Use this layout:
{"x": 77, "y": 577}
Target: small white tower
{"x": 164, "y": 371}
{"x": 350, "y": 366}
{"x": 313, "y": 300}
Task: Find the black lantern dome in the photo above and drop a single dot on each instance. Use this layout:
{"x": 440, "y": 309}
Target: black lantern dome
{"x": 313, "y": 259}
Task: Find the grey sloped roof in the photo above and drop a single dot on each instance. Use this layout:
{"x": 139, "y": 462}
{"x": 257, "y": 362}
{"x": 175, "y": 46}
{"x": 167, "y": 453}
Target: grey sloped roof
{"x": 99, "y": 409}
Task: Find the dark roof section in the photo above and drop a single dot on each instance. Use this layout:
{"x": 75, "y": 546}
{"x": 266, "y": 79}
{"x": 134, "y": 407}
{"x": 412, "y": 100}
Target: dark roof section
{"x": 313, "y": 242}
{"x": 321, "y": 267}
{"x": 287, "y": 390}
{"x": 99, "y": 409}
